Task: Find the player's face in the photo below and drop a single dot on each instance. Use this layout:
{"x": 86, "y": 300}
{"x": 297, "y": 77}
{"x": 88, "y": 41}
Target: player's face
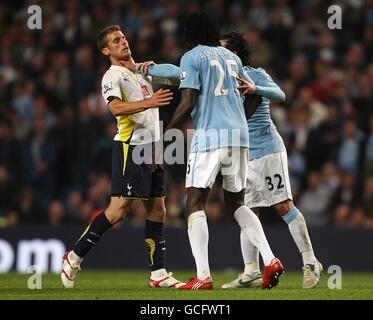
{"x": 117, "y": 46}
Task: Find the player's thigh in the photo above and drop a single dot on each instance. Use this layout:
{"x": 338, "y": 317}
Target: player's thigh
{"x": 268, "y": 181}
{"x": 196, "y": 199}
{"x": 202, "y": 169}
{"x": 130, "y": 177}
{"x": 234, "y": 169}
{"x": 233, "y": 200}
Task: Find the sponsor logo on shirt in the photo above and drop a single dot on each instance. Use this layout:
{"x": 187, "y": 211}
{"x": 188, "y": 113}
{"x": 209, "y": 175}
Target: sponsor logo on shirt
{"x": 145, "y": 91}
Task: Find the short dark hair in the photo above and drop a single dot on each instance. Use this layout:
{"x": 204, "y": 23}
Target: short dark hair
{"x": 202, "y": 28}
{"x": 237, "y": 43}
{"x": 102, "y": 35}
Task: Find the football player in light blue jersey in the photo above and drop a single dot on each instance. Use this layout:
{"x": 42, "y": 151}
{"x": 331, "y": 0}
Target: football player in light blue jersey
{"x": 268, "y": 178}
{"x": 208, "y": 84}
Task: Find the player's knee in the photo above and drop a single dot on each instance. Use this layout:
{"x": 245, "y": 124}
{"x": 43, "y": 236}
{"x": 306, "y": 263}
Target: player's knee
{"x": 117, "y": 211}
{"x": 158, "y": 213}
{"x": 193, "y": 207}
{"x": 194, "y": 203}
{"x": 115, "y": 216}
{"x": 235, "y": 205}
{"x": 284, "y": 207}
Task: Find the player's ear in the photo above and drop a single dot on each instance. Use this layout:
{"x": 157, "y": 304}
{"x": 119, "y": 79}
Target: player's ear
{"x": 105, "y": 51}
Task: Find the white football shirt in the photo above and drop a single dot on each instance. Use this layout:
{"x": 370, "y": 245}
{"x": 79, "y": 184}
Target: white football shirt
{"x": 138, "y": 128}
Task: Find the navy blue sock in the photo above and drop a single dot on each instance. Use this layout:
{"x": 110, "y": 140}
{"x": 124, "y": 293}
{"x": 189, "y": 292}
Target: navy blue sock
{"x": 155, "y": 244}
{"x": 92, "y": 234}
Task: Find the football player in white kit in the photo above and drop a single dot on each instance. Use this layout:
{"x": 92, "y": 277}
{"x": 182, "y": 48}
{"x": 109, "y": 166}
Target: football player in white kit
{"x": 131, "y": 100}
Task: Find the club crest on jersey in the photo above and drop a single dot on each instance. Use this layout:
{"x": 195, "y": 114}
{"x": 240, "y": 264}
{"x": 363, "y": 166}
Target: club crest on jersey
{"x": 107, "y": 87}
{"x": 145, "y": 91}
{"x": 129, "y": 187}
{"x": 183, "y": 75}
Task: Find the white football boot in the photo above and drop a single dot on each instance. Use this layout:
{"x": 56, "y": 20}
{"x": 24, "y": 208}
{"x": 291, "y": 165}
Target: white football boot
{"x": 168, "y": 281}
{"x": 245, "y": 281}
{"x": 69, "y": 270}
{"x": 312, "y": 275}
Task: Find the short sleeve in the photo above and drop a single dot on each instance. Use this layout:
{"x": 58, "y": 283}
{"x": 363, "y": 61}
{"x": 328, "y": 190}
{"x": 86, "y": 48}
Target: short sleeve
{"x": 264, "y": 79}
{"x": 110, "y": 87}
{"x": 189, "y": 73}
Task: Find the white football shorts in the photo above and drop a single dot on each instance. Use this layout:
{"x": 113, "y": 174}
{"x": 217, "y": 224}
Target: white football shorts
{"x": 203, "y": 167}
{"x": 268, "y": 181}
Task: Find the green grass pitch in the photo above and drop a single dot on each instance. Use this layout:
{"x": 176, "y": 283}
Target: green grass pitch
{"x": 132, "y": 285}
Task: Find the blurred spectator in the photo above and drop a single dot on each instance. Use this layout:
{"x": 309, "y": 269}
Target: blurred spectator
{"x": 313, "y": 202}
{"x": 8, "y": 190}
{"x": 358, "y": 217}
{"x": 74, "y": 205}
{"x": 316, "y": 110}
{"x": 174, "y": 205}
{"x": 369, "y": 151}
{"x": 30, "y": 209}
{"x": 347, "y": 191}
{"x": 56, "y": 213}
{"x": 214, "y": 210}
{"x": 138, "y": 214}
{"x": 330, "y": 175}
{"x": 350, "y": 149}
{"x": 296, "y": 163}
{"x": 38, "y": 159}
{"x": 258, "y": 14}
{"x": 342, "y": 215}
{"x": 322, "y": 141}
{"x": 10, "y": 219}
{"x": 368, "y": 197}
{"x": 9, "y": 150}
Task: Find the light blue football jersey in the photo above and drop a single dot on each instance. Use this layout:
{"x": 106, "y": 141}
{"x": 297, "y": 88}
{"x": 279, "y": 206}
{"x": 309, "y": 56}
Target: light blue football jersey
{"x": 263, "y": 135}
{"x": 218, "y": 116}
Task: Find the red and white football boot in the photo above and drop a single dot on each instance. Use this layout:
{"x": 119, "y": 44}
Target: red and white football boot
{"x": 197, "y": 284}
{"x": 69, "y": 271}
{"x": 167, "y": 282}
{"x": 272, "y": 273}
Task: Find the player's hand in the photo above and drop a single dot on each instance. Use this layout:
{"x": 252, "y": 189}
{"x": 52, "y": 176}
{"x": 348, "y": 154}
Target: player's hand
{"x": 245, "y": 87}
{"x": 160, "y": 98}
{"x": 144, "y": 67}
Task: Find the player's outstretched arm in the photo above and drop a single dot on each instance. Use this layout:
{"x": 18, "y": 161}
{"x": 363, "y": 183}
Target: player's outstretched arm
{"x": 165, "y": 70}
{"x": 187, "y": 102}
{"x": 272, "y": 92}
{"x": 166, "y": 73}
{"x": 160, "y": 98}
{"x": 264, "y": 87}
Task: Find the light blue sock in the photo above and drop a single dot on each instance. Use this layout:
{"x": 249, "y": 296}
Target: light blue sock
{"x": 291, "y": 215}
{"x": 298, "y": 229}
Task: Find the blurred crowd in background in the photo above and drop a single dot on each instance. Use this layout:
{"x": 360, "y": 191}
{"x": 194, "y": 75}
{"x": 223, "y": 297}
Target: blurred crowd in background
{"x": 56, "y": 131}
